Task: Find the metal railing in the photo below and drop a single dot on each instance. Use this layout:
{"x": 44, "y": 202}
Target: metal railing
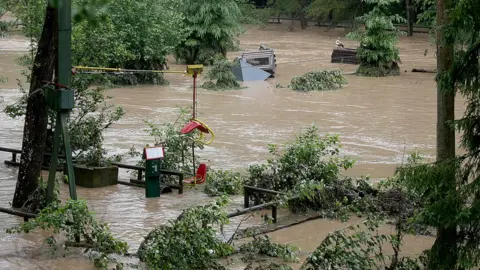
{"x": 139, "y": 182}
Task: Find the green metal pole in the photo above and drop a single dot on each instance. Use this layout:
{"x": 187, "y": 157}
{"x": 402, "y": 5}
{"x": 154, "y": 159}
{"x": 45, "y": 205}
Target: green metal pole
{"x": 54, "y": 160}
{"x": 68, "y": 155}
{"x": 64, "y": 41}
{"x": 64, "y": 77}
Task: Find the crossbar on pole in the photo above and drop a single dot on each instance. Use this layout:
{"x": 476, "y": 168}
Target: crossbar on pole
{"x": 130, "y": 70}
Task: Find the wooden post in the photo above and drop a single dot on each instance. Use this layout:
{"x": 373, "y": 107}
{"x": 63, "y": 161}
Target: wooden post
{"x": 274, "y": 213}
{"x": 180, "y": 184}
{"x": 246, "y": 197}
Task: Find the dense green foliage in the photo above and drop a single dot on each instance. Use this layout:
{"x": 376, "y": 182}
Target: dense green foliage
{"x": 377, "y": 52}
{"x": 189, "y": 242}
{"x": 310, "y": 157}
{"x": 73, "y": 220}
{"x": 251, "y": 15}
{"x": 221, "y": 75}
{"x": 220, "y": 182}
{"x": 132, "y": 34}
{"x": 213, "y": 28}
{"x": 318, "y": 80}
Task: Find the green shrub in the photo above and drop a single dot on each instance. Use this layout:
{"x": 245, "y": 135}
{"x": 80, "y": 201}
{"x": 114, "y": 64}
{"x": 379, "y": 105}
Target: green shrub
{"x": 263, "y": 245}
{"x": 189, "y": 242}
{"x": 220, "y": 182}
{"x": 178, "y": 146}
{"x": 73, "y": 219}
{"x": 378, "y": 53}
{"x": 221, "y": 72}
{"x": 318, "y": 80}
{"x": 310, "y": 157}
{"x": 360, "y": 247}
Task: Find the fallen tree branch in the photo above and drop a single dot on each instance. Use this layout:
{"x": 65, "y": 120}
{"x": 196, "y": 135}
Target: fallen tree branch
{"x": 422, "y": 70}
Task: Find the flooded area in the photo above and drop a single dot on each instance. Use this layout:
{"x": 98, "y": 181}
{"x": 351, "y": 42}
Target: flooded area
{"x": 379, "y": 120}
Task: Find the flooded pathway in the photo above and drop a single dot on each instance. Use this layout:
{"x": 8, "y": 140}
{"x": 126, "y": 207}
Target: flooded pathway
{"x": 379, "y": 121}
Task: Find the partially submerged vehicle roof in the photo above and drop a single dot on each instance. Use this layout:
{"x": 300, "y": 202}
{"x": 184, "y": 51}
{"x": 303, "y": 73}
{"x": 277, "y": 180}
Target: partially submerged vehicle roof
{"x": 259, "y": 52}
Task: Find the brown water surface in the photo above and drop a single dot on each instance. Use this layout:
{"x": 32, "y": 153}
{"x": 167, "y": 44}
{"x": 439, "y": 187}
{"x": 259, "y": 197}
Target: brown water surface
{"x": 379, "y": 121}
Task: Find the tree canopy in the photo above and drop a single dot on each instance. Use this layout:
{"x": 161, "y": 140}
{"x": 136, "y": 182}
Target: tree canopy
{"x": 213, "y": 28}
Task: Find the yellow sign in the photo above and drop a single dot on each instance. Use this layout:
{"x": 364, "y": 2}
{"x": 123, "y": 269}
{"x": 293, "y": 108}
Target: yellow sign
{"x": 192, "y": 68}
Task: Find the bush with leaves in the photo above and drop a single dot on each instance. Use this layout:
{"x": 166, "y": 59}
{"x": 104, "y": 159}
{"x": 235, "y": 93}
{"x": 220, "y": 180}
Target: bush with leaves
{"x": 91, "y": 116}
{"x": 220, "y": 182}
{"x": 73, "y": 220}
{"x": 377, "y": 52}
{"x": 189, "y": 242}
{"x": 262, "y": 244}
{"x": 310, "y": 157}
{"x": 318, "y": 80}
{"x": 221, "y": 72}
{"x": 335, "y": 199}
{"x": 178, "y": 146}
{"x": 360, "y": 247}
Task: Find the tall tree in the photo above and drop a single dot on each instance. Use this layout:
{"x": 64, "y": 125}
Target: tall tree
{"x": 377, "y": 52}
{"x": 443, "y": 253}
{"x": 410, "y": 17}
{"x": 36, "y": 118}
{"x": 214, "y": 26}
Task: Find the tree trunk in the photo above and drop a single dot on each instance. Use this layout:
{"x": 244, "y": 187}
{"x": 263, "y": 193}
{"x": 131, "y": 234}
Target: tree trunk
{"x": 303, "y": 14}
{"x": 303, "y": 21}
{"x": 444, "y": 252}
{"x": 410, "y": 19}
{"x": 36, "y": 118}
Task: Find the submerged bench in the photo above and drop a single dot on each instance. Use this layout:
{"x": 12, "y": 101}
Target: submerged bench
{"x": 250, "y": 190}
{"x": 139, "y": 182}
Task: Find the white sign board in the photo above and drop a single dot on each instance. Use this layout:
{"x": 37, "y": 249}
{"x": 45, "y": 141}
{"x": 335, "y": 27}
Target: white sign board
{"x": 154, "y": 152}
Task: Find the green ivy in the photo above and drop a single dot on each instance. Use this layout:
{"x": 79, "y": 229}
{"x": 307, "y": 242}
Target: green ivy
{"x": 318, "y": 80}
{"x": 220, "y": 182}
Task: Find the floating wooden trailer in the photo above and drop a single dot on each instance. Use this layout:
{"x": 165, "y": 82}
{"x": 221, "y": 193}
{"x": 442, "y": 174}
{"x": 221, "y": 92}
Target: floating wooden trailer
{"x": 345, "y": 56}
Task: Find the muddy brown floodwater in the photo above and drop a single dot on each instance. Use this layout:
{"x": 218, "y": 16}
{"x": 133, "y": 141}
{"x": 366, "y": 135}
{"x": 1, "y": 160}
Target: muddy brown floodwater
{"x": 378, "y": 119}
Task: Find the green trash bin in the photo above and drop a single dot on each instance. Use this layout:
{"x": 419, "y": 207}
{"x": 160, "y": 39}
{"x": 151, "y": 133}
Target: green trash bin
{"x": 153, "y": 159}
